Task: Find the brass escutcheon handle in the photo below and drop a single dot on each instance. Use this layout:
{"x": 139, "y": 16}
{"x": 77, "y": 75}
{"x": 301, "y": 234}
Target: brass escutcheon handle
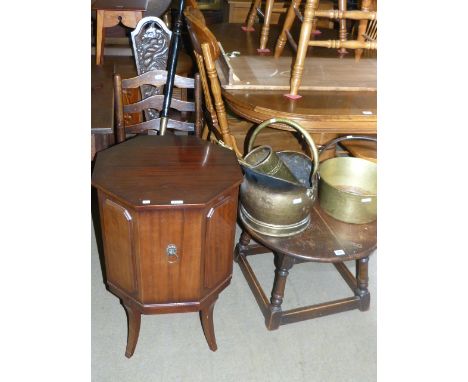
{"x": 171, "y": 252}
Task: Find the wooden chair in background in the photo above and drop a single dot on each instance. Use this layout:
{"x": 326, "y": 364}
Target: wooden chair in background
{"x": 256, "y": 9}
{"x": 367, "y": 31}
{"x": 309, "y": 20}
{"x": 207, "y": 51}
{"x": 123, "y": 108}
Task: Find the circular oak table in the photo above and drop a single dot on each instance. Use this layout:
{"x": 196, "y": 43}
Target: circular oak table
{"x": 326, "y": 240}
{"x": 336, "y": 112}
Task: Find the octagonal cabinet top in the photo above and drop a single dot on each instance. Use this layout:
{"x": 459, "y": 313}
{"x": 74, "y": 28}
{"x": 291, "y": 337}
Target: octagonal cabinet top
{"x": 152, "y": 171}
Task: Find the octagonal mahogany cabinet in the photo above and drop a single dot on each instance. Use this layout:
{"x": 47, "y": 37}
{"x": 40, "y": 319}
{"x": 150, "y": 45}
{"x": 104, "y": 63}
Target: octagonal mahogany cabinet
{"x": 168, "y": 208}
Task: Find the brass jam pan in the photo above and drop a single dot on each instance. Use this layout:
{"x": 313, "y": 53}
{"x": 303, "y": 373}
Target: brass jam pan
{"x": 348, "y": 186}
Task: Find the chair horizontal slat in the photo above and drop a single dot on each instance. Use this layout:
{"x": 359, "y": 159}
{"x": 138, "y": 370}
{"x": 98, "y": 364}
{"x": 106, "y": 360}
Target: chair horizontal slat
{"x": 352, "y": 15}
{"x": 350, "y": 44}
{"x": 155, "y": 102}
{"x": 157, "y": 78}
{"x": 153, "y": 124}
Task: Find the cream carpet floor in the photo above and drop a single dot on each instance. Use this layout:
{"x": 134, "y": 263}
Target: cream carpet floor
{"x": 172, "y": 347}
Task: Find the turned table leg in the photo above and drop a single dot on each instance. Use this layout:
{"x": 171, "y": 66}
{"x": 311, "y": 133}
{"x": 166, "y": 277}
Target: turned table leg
{"x": 206, "y": 317}
{"x": 134, "y": 320}
{"x": 285, "y": 263}
{"x": 242, "y": 245}
{"x": 362, "y": 277}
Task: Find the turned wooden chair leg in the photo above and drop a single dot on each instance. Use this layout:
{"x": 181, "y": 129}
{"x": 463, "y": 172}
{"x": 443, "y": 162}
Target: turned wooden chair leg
{"x": 288, "y": 21}
{"x": 100, "y": 34}
{"x": 134, "y": 320}
{"x": 362, "y": 277}
{"x": 365, "y": 6}
{"x": 343, "y": 32}
{"x": 266, "y": 27}
{"x": 206, "y": 317}
{"x": 306, "y": 28}
{"x": 284, "y": 264}
{"x": 251, "y": 17}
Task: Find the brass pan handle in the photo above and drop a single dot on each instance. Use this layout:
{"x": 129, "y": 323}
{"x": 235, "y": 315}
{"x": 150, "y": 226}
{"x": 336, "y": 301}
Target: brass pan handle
{"x": 297, "y": 127}
{"x": 346, "y": 138}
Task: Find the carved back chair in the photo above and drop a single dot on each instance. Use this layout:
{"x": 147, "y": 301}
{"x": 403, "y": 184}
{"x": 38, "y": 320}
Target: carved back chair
{"x": 122, "y": 109}
{"x": 309, "y": 20}
{"x": 207, "y": 51}
{"x": 150, "y": 41}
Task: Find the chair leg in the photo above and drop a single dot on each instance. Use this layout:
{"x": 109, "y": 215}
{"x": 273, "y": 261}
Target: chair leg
{"x": 284, "y": 264}
{"x": 251, "y": 17}
{"x": 290, "y": 16}
{"x": 100, "y": 34}
{"x": 306, "y": 28}
{"x": 343, "y": 31}
{"x": 365, "y": 6}
{"x": 266, "y": 27}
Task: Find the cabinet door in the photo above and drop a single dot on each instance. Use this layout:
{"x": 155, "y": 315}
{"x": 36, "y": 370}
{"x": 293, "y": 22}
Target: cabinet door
{"x": 169, "y": 249}
{"x": 219, "y": 240}
{"x": 118, "y": 245}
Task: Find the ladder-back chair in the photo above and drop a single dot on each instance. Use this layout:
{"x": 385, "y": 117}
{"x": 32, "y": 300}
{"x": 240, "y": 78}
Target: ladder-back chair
{"x": 123, "y": 109}
{"x": 309, "y": 20}
{"x": 207, "y": 51}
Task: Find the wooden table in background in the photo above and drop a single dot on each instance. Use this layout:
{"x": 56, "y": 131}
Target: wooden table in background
{"x": 110, "y": 13}
{"x": 325, "y": 114}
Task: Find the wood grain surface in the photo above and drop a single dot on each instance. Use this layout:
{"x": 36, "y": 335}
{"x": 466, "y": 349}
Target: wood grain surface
{"x": 320, "y": 73}
{"x": 164, "y": 169}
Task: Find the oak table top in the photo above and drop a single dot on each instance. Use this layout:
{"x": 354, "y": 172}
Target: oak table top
{"x": 326, "y": 240}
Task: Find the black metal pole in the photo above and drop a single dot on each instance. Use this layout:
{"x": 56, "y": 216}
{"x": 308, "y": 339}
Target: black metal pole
{"x": 171, "y": 67}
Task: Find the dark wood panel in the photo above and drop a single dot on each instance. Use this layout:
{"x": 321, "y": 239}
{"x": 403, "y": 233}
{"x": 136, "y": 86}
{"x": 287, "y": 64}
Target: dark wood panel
{"x": 163, "y": 168}
{"x": 167, "y": 278}
{"x": 118, "y": 244}
{"x": 221, "y": 222}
